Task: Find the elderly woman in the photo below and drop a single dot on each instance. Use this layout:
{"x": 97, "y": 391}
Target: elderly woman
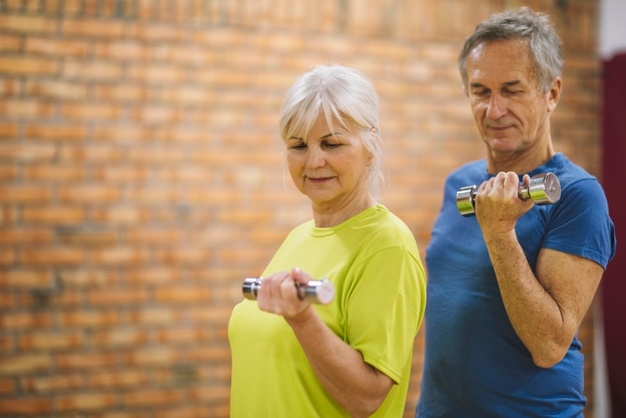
{"x": 351, "y": 357}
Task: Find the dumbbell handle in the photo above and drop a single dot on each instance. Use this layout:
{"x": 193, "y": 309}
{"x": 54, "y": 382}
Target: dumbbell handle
{"x": 317, "y": 291}
{"x": 543, "y": 189}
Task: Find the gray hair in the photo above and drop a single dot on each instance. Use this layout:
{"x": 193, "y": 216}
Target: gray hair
{"x": 544, "y": 43}
{"x": 344, "y": 95}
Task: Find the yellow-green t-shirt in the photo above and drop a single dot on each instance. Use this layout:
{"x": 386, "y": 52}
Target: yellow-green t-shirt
{"x": 373, "y": 261}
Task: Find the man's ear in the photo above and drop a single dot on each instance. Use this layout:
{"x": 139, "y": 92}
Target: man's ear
{"x": 554, "y": 94}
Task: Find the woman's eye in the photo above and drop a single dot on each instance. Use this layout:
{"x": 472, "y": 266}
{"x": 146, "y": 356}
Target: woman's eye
{"x": 331, "y": 145}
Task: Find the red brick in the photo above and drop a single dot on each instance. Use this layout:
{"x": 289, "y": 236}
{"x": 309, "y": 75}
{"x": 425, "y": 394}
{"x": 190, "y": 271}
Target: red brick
{"x": 10, "y": 87}
{"x": 66, "y": 132}
{"x": 160, "y": 236}
{"x": 183, "y": 256}
{"x": 85, "y": 361}
{"x": 182, "y": 336}
{"x": 50, "y": 341}
{"x": 27, "y": 66}
{"x": 98, "y": 29}
{"x": 155, "y": 316}
{"x": 89, "y": 194}
{"x": 112, "y": 297}
{"x": 121, "y": 215}
{"x": 119, "y": 338}
{"x": 53, "y": 89}
{"x": 8, "y": 256}
{"x": 26, "y": 108}
{"x": 152, "y": 357}
{"x": 53, "y": 256}
{"x": 123, "y": 133}
{"x": 28, "y": 153}
{"x": 26, "y": 279}
{"x": 24, "y": 363}
{"x": 52, "y": 383}
{"x": 7, "y": 386}
{"x": 21, "y": 320}
{"x": 152, "y": 275}
{"x": 157, "y": 114}
{"x": 87, "y": 238}
{"x": 122, "y": 378}
{"x": 122, "y": 50}
{"x": 92, "y": 70}
{"x": 123, "y": 174}
{"x": 182, "y": 295}
{"x": 9, "y": 173}
{"x": 120, "y": 255}
{"x": 55, "y": 47}
{"x": 14, "y": 194}
{"x": 121, "y": 93}
{"x": 51, "y": 298}
{"x": 26, "y": 405}
{"x": 157, "y": 32}
{"x": 54, "y": 173}
{"x": 152, "y": 397}
{"x": 9, "y": 43}
{"x": 8, "y": 129}
{"x": 54, "y": 215}
{"x": 14, "y": 236}
{"x": 89, "y": 318}
{"x": 6, "y": 342}
{"x": 85, "y": 401}
{"x": 87, "y": 278}
{"x": 92, "y": 154}
{"x": 27, "y": 24}
{"x": 90, "y": 111}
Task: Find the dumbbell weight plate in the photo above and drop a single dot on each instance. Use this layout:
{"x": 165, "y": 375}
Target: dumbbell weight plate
{"x": 543, "y": 189}
{"x": 317, "y": 291}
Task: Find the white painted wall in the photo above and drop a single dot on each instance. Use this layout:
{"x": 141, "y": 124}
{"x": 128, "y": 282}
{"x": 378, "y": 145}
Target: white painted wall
{"x": 612, "y": 36}
{"x": 612, "y": 41}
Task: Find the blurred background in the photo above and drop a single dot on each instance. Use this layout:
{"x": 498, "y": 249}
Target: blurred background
{"x": 142, "y": 177}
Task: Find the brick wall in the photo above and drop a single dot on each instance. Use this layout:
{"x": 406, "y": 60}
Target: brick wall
{"x": 141, "y": 175}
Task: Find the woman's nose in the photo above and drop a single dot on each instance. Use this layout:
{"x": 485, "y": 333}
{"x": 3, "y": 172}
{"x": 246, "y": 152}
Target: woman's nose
{"x": 315, "y": 157}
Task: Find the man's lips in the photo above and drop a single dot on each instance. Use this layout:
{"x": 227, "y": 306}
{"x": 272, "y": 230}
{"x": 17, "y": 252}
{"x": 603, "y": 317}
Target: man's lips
{"x": 500, "y": 127}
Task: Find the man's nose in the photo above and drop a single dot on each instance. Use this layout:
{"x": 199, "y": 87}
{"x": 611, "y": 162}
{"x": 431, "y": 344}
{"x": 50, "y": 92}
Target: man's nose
{"x": 497, "y": 107}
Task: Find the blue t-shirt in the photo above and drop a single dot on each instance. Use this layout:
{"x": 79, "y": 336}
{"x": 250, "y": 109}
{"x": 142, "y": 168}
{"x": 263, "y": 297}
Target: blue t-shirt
{"x": 475, "y": 364}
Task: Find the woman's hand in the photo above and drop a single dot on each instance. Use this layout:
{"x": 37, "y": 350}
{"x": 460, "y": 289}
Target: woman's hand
{"x": 278, "y": 294}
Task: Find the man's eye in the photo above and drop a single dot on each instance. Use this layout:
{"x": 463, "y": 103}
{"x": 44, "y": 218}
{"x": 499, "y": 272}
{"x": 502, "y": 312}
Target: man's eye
{"x": 480, "y": 93}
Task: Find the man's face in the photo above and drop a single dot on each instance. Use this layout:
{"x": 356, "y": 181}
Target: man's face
{"x": 510, "y": 110}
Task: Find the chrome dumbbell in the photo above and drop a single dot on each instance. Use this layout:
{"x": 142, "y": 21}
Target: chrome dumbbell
{"x": 543, "y": 189}
{"x": 317, "y": 291}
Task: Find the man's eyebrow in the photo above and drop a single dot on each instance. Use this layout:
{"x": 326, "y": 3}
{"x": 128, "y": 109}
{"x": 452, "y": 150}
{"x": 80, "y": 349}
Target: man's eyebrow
{"x": 476, "y": 85}
{"x": 505, "y": 84}
{"x": 512, "y": 83}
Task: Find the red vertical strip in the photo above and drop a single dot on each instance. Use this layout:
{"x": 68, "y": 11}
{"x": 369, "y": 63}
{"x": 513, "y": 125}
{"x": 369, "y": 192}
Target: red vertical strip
{"x": 613, "y": 181}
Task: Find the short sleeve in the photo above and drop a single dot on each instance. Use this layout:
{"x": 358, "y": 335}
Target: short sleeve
{"x": 580, "y": 223}
{"x": 386, "y": 308}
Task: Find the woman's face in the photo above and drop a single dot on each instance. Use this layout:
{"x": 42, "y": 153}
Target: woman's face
{"x": 330, "y": 165}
